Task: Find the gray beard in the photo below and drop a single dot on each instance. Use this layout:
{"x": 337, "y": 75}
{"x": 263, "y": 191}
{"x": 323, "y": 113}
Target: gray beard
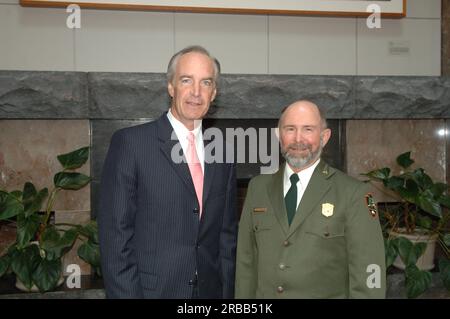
{"x": 302, "y": 162}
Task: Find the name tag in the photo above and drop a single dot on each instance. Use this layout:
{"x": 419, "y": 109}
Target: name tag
{"x": 258, "y": 210}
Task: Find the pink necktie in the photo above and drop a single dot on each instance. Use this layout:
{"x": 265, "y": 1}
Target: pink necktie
{"x": 195, "y": 168}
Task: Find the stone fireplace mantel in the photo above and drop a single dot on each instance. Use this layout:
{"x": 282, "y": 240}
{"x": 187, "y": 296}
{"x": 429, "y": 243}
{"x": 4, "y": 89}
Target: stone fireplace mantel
{"x": 78, "y": 95}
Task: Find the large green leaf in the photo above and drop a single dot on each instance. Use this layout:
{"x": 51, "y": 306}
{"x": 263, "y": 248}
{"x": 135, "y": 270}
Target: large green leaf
{"x": 390, "y": 246}
{"x": 404, "y": 160}
{"x": 29, "y": 191}
{"x": 67, "y": 240}
{"x": 426, "y": 182}
{"x": 10, "y": 206}
{"x": 73, "y": 181}
{"x": 424, "y": 222}
{"x": 90, "y": 253}
{"x": 74, "y": 159}
{"x": 444, "y": 269}
{"x": 90, "y": 230}
{"x": 35, "y": 204}
{"x": 47, "y": 274}
{"x": 24, "y": 262}
{"x": 423, "y": 180}
{"x": 379, "y": 174}
{"x": 444, "y": 200}
{"x": 394, "y": 183}
{"x": 49, "y": 241}
{"x": 447, "y": 239}
{"x": 4, "y": 264}
{"x": 17, "y": 195}
{"x": 408, "y": 251}
{"x": 417, "y": 281}
{"x": 410, "y": 191}
{"x": 426, "y": 201}
{"x": 49, "y": 237}
{"x": 27, "y": 229}
{"x": 419, "y": 250}
{"x": 438, "y": 189}
{"x": 56, "y": 245}
{"x": 404, "y": 248}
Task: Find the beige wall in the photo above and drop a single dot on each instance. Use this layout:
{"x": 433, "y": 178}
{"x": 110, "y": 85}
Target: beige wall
{"x": 130, "y": 41}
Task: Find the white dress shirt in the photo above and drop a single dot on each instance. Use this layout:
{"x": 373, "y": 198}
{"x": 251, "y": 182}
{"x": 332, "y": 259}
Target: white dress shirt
{"x": 182, "y": 133}
{"x": 304, "y": 177}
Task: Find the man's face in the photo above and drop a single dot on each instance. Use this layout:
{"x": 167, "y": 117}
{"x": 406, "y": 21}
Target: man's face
{"x": 193, "y": 88}
{"x": 301, "y": 135}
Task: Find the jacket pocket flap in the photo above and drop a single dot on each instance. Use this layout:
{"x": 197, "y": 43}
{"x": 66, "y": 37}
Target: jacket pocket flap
{"x": 262, "y": 222}
{"x": 328, "y": 230}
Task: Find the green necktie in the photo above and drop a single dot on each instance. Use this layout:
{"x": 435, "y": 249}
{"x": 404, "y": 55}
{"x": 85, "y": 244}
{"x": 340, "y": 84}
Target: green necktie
{"x": 291, "y": 198}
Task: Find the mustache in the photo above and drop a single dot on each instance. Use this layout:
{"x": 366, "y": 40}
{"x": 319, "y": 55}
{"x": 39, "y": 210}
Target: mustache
{"x": 299, "y": 147}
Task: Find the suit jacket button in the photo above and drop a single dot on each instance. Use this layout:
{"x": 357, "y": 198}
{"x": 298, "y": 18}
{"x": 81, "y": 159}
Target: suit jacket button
{"x": 192, "y": 282}
{"x": 195, "y": 210}
{"x": 280, "y": 289}
{"x": 282, "y": 266}
{"x": 286, "y": 243}
{"x": 326, "y": 234}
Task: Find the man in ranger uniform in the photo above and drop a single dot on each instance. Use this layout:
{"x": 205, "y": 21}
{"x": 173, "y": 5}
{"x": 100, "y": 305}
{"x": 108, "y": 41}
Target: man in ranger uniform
{"x": 309, "y": 230}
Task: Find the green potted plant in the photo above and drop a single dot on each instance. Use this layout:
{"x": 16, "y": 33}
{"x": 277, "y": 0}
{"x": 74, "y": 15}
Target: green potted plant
{"x": 412, "y": 224}
{"x": 36, "y": 255}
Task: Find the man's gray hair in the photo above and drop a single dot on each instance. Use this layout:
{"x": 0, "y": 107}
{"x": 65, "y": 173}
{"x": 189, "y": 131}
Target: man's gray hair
{"x": 171, "y": 68}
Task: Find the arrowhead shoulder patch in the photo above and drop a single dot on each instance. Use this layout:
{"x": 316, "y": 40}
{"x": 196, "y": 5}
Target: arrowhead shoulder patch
{"x": 371, "y": 205}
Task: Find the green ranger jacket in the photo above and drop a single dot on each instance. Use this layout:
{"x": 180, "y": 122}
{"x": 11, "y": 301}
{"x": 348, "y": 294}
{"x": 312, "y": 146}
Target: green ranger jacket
{"x": 333, "y": 248}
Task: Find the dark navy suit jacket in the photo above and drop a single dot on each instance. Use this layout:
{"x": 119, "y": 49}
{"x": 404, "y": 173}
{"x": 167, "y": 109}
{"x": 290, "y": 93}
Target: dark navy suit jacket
{"x": 152, "y": 242}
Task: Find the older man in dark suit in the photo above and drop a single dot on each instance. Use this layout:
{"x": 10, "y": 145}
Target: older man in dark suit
{"x": 168, "y": 228}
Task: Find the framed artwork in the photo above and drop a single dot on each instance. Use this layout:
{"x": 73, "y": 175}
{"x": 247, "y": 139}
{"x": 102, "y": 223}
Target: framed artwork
{"x": 357, "y": 8}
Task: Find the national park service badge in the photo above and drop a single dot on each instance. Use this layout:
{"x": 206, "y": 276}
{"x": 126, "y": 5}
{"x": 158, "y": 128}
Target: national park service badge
{"x": 327, "y": 209}
{"x": 371, "y": 205}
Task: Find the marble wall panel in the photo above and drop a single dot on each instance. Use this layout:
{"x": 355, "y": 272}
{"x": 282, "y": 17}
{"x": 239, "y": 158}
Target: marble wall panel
{"x": 373, "y": 144}
{"x": 28, "y": 150}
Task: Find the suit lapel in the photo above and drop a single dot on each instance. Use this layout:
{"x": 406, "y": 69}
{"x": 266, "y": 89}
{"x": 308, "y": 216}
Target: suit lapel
{"x": 164, "y": 134}
{"x": 275, "y": 193}
{"x": 317, "y": 187}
